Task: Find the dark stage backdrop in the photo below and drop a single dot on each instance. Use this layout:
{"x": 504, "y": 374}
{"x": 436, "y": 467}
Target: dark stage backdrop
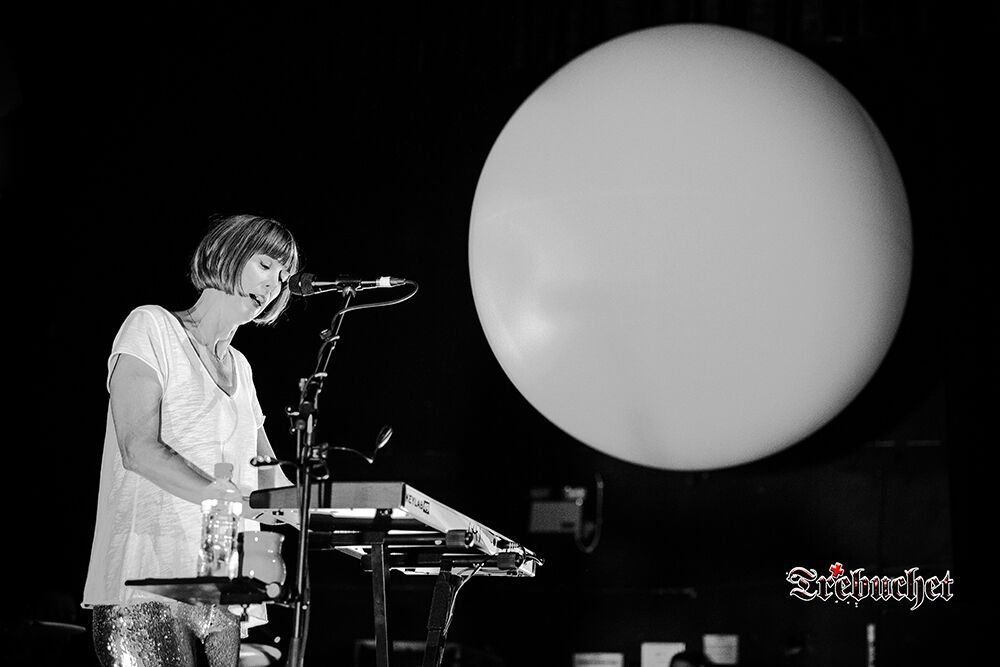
{"x": 364, "y": 127}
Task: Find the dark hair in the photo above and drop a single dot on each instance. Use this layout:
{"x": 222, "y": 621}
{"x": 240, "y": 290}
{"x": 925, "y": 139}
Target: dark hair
{"x": 226, "y": 248}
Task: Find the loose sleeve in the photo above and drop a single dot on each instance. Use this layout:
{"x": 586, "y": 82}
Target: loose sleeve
{"x": 141, "y": 336}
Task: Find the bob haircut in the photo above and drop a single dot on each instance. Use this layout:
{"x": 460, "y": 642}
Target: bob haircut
{"x": 227, "y": 247}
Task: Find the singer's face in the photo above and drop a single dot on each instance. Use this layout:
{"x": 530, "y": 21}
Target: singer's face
{"x": 261, "y": 281}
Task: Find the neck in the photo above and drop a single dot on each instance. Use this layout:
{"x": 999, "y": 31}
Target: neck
{"x": 212, "y": 320}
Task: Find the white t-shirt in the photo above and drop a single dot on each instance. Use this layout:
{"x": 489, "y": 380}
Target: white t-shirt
{"x": 143, "y": 531}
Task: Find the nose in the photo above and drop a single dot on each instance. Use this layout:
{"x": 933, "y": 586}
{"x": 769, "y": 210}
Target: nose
{"x": 272, "y": 283}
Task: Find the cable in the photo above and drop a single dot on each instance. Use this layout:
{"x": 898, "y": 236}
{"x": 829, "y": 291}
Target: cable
{"x": 381, "y": 304}
{"x": 324, "y": 349}
{"x": 598, "y": 518}
{"x": 463, "y": 579}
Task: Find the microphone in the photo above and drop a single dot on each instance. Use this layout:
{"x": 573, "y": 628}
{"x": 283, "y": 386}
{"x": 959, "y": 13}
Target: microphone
{"x": 304, "y": 284}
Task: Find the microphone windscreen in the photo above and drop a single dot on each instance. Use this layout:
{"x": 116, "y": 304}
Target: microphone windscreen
{"x": 301, "y": 284}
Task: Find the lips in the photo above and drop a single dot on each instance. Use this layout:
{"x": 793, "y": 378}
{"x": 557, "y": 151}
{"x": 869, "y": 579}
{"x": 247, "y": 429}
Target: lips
{"x": 257, "y": 300}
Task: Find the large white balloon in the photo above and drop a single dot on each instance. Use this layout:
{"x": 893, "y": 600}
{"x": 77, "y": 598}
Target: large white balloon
{"x": 690, "y": 247}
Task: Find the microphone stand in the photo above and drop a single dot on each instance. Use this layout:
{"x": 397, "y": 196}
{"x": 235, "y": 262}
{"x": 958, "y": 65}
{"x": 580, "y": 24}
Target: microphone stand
{"x": 309, "y": 455}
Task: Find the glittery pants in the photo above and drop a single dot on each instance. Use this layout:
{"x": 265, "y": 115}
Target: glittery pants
{"x": 156, "y": 634}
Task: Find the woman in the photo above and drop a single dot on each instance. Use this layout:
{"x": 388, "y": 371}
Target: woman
{"x": 182, "y": 399}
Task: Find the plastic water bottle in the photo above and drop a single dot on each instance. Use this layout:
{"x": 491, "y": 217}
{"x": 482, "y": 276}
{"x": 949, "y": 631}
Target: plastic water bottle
{"x": 220, "y": 518}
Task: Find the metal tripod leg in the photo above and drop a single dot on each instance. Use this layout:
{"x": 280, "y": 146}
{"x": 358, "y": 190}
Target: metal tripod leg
{"x": 379, "y": 596}
{"x": 379, "y": 600}
{"x": 442, "y": 603}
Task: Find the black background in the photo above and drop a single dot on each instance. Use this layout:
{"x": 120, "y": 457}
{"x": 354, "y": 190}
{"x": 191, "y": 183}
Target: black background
{"x": 364, "y": 127}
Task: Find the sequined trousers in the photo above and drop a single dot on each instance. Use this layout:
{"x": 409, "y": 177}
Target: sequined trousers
{"x": 157, "y": 634}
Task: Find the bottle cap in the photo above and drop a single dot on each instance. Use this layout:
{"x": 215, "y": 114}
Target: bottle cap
{"x": 223, "y": 471}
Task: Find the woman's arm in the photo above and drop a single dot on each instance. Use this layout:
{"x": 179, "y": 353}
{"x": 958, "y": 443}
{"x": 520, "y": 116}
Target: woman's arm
{"x": 135, "y": 408}
{"x": 269, "y": 477}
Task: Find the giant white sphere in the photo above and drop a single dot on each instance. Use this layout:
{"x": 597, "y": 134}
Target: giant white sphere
{"x": 690, "y": 247}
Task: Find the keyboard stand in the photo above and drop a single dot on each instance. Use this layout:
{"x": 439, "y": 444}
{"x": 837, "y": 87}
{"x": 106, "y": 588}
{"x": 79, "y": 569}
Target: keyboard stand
{"x": 442, "y": 605}
{"x": 380, "y": 572}
{"x": 445, "y": 552}
{"x": 392, "y": 526}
